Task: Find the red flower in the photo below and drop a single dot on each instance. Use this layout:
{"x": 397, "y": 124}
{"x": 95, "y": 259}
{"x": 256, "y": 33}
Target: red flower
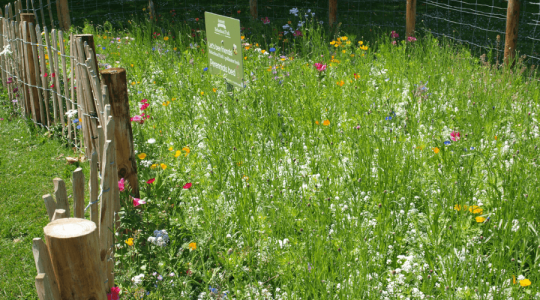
{"x": 150, "y": 181}
{"x": 114, "y": 294}
{"x": 197, "y": 19}
{"x": 188, "y": 185}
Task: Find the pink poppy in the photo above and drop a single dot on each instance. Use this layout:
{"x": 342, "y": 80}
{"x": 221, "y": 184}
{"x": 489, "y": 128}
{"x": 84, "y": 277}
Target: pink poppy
{"x": 114, "y": 294}
{"x": 188, "y": 185}
{"x": 121, "y": 185}
{"x": 320, "y": 67}
{"x": 137, "y": 202}
{"x": 455, "y": 136}
{"x": 150, "y": 181}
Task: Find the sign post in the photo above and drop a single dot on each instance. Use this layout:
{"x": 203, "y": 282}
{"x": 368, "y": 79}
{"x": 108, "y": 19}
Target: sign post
{"x": 225, "y": 48}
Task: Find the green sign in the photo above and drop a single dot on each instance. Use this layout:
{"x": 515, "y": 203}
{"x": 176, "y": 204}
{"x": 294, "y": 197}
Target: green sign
{"x": 225, "y": 48}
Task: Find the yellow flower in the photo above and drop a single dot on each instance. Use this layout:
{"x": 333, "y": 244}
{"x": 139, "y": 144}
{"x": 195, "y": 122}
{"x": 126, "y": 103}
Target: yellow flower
{"x": 214, "y": 90}
{"x": 166, "y": 38}
{"x": 192, "y": 246}
{"x": 142, "y": 155}
{"x": 436, "y": 150}
{"x": 263, "y": 51}
{"x": 133, "y": 83}
{"x": 290, "y": 22}
{"x": 256, "y": 44}
{"x": 317, "y": 122}
{"x": 163, "y": 166}
{"x": 245, "y": 57}
{"x": 360, "y": 42}
{"x": 340, "y": 83}
{"x": 476, "y": 210}
{"x": 332, "y": 42}
{"x": 242, "y": 37}
{"x": 525, "y": 282}
{"x": 178, "y": 152}
{"x": 144, "y": 9}
{"x": 175, "y": 48}
{"x": 480, "y": 219}
{"x": 247, "y": 48}
{"x": 170, "y": 148}
{"x": 344, "y": 51}
{"x": 495, "y": 137}
{"x": 132, "y": 65}
{"x": 352, "y": 55}
{"x": 202, "y": 93}
{"x": 348, "y": 42}
{"x": 153, "y": 166}
{"x": 269, "y": 70}
{"x": 187, "y": 150}
{"x": 173, "y": 99}
{"x": 514, "y": 279}
{"x": 283, "y": 59}
{"x": 154, "y": 82}
{"x": 129, "y": 241}
{"x": 166, "y": 103}
{"x": 104, "y": 37}
{"x": 326, "y": 122}
{"x": 356, "y": 76}
{"x": 336, "y": 45}
{"x": 459, "y": 207}
{"x": 46, "y": 56}
{"x": 344, "y": 38}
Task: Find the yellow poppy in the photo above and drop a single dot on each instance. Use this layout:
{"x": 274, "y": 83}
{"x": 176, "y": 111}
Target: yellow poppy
{"x": 163, "y": 166}
{"x": 132, "y": 65}
{"x": 263, "y": 51}
{"x": 475, "y": 209}
{"x": 129, "y": 241}
{"x": 344, "y": 38}
{"x": 170, "y": 148}
{"x": 178, "y": 152}
{"x": 214, "y": 90}
{"x": 166, "y": 38}
{"x": 142, "y": 155}
{"x": 192, "y": 246}
{"x": 525, "y": 282}
{"x": 436, "y": 150}
{"x": 480, "y": 219}
{"x": 245, "y": 57}
{"x": 202, "y": 93}
{"x": 326, "y": 122}
{"x": 153, "y": 166}
{"x": 242, "y": 37}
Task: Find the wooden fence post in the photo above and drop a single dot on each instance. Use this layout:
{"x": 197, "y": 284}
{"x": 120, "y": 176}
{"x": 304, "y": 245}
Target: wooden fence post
{"x": 332, "y": 11}
{"x": 74, "y": 250}
{"x": 115, "y": 80}
{"x": 512, "y": 22}
{"x": 62, "y": 9}
{"x": 253, "y": 9}
{"x": 44, "y": 266}
{"x": 78, "y": 193}
{"x": 411, "y": 18}
{"x": 60, "y": 194}
{"x": 30, "y": 66}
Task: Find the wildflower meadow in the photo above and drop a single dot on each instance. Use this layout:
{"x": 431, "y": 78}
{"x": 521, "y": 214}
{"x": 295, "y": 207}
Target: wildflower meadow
{"x": 349, "y": 166}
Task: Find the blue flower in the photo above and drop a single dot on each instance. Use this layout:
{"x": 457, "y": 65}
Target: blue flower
{"x": 153, "y": 48}
{"x": 79, "y": 126}
{"x": 472, "y": 148}
{"x": 213, "y": 290}
{"x": 272, "y": 49}
{"x": 447, "y": 143}
{"x": 103, "y": 48}
{"x": 205, "y": 69}
{"x": 76, "y": 121}
{"x": 388, "y": 118}
{"x": 139, "y": 92}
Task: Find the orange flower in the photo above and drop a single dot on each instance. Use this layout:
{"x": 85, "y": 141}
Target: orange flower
{"x": 495, "y": 137}
{"x": 436, "y": 150}
{"x": 192, "y": 246}
{"x": 340, "y": 83}
{"x": 178, "y": 152}
{"x": 317, "y": 122}
{"x": 187, "y": 150}
{"x": 326, "y": 122}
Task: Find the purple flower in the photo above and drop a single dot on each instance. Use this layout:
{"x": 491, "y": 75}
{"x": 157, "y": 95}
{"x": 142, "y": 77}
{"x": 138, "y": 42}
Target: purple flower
{"x": 309, "y": 267}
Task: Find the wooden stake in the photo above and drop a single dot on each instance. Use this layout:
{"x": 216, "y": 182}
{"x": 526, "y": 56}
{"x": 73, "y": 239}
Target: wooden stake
{"x": 38, "y": 74}
{"x": 44, "y": 266}
{"x": 50, "y": 205}
{"x": 43, "y": 287}
{"x": 78, "y": 193}
{"x": 30, "y": 66}
{"x": 512, "y": 23}
{"x": 60, "y": 214}
{"x": 45, "y": 80}
{"x": 106, "y": 209}
{"x": 411, "y": 18}
{"x": 62, "y": 9}
{"x": 115, "y": 80}
{"x": 64, "y": 76}
{"x": 253, "y": 9}
{"x": 61, "y": 195}
{"x": 61, "y": 112}
{"x": 332, "y": 11}
{"x": 74, "y": 250}
{"x": 51, "y": 65}
{"x": 93, "y": 185}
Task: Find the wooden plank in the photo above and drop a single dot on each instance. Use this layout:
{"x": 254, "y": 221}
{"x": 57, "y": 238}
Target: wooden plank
{"x": 37, "y": 74}
{"x": 71, "y": 65}
{"x": 50, "y": 205}
{"x": 61, "y": 195}
{"x": 43, "y": 287}
{"x": 78, "y": 193}
{"x": 115, "y": 80}
{"x": 60, "y": 214}
{"x": 44, "y": 77}
{"x": 94, "y": 188}
{"x": 61, "y": 112}
{"x": 55, "y": 100}
{"x": 410, "y": 18}
{"x": 33, "y": 101}
{"x": 80, "y": 101}
{"x": 512, "y": 24}
{"x": 105, "y": 218}
{"x": 44, "y": 265}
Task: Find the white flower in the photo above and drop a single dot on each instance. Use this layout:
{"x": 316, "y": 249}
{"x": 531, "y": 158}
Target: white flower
{"x": 7, "y": 50}
{"x": 151, "y": 141}
{"x": 294, "y": 11}
{"x": 71, "y": 113}
{"x": 138, "y": 279}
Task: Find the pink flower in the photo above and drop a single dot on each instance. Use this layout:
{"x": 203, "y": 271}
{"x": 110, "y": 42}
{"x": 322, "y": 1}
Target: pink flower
{"x": 136, "y": 118}
{"x": 10, "y": 80}
{"x": 53, "y": 75}
{"x": 265, "y": 20}
{"x": 114, "y": 294}
{"x": 411, "y": 39}
{"x": 394, "y": 34}
{"x": 45, "y": 75}
{"x": 121, "y": 185}
{"x": 144, "y": 100}
{"x": 320, "y": 67}
{"x": 144, "y": 106}
{"x": 297, "y": 33}
{"x": 150, "y": 181}
{"x": 187, "y": 186}
{"x": 394, "y": 43}
{"x": 137, "y": 202}
{"x": 455, "y": 136}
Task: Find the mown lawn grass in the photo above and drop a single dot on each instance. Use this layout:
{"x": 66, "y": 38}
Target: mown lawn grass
{"x": 29, "y": 161}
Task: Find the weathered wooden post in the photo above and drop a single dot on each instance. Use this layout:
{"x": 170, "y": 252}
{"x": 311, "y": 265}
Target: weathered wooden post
{"x": 30, "y": 65}
{"x": 512, "y": 22}
{"x": 411, "y": 18}
{"x": 253, "y": 9}
{"x": 332, "y": 11}
{"x": 62, "y": 9}
{"x": 73, "y": 246}
{"x": 115, "y": 80}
